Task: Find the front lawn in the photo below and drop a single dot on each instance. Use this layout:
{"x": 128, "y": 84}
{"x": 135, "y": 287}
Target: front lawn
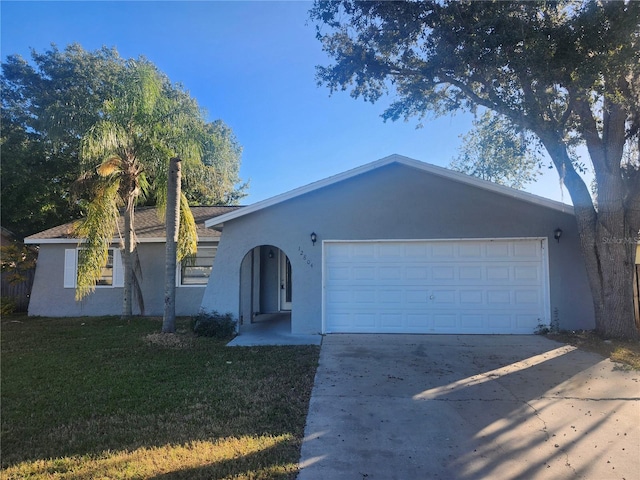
{"x": 625, "y": 352}
{"x": 89, "y": 398}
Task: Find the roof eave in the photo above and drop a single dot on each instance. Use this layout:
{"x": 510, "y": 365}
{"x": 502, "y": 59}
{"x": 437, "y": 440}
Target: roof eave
{"x": 434, "y": 169}
{"x": 42, "y": 241}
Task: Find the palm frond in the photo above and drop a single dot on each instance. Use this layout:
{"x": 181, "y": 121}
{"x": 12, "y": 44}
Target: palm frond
{"x": 188, "y": 235}
{"x": 110, "y": 166}
{"x": 105, "y": 139}
{"x": 97, "y": 228}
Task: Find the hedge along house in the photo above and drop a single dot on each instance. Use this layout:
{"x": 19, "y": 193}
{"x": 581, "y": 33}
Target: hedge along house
{"x": 401, "y": 246}
{"x": 53, "y": 292}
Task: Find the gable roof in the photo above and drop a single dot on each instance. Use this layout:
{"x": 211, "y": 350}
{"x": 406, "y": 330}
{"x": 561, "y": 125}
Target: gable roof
{"x": 149, "y": 228}
{"x": 400, "y": 160}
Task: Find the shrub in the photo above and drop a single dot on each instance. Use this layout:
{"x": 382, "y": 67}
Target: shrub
{"x": 7, "y": 306}
{"x": 213, "y": 324}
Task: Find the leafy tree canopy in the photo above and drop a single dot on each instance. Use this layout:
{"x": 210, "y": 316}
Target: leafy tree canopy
{"x": 49, "y": 103}
{"x": 496, "y": 151}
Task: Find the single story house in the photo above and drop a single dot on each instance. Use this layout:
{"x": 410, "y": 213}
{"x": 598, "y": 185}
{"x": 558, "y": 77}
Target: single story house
{"x": 53, "y": 292}
{"x": 402, "y": 246}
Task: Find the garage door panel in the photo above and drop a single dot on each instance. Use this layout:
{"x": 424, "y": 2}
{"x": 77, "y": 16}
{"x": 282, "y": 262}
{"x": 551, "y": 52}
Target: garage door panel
{"x": 498, "y": 274}
{"x": 526, "y": 297}
{"x": 392, "y": 251}
{"x": 418, "y": 321}
{"x": 471, "y": 321}
{"x": 391, "y": 320}
{"x": 471, "y": 249}
{"x": 470, "y": 273}
{"x": 364, "y": 273}
{"x": 442, "y": 251}
{"x": 498, "y": 250}
{"x": 363, "y": 250}
{"x": 479, "y": 286}
{"x": 525, "y": 273}
{"x": 416, "y": 272}
{"x": 473, "y": 297}
{"x": 365, "y": 320}
{"x": 366, "y": 297}
{"x": 443, "y": 273}
{"x": 500, "y": 321}
{"x": 528, "y": 250}
{"x": 498, "y": 297}
{"x": 441, "y": 297}
{"x": 391, "y": 297}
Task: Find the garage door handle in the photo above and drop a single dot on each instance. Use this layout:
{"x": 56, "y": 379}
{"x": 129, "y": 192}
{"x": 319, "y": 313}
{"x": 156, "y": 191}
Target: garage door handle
{"x": 431, "y": 297}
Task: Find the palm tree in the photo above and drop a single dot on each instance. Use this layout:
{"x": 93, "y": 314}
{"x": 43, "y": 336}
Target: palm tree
{"x": 126, "y": 155}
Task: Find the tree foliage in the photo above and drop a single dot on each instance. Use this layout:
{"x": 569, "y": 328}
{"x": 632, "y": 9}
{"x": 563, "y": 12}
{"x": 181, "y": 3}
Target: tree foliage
{"x": 495, "y": 151}
{"x": 568, "y": 71}
{"x": 48, "y": 103}
{"x": 124, "y": 157}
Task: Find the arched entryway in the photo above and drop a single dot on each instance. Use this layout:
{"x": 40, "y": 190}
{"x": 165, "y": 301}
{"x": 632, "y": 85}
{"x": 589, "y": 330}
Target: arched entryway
{"x": 266, "y": 288}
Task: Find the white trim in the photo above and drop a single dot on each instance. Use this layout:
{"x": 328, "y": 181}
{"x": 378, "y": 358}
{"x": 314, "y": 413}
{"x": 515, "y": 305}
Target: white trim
{"x": 282, "y": 266}
{"x": 544, "y": 244}
{"x": 422, "y": 240}
{"x": 70, "y": 272}
{"x": 118, "y": 268}
{"x": 323, "y": 279}
{"x": 70, "y": 269}
{"x": 545, "y": 265}
{"x": 399, "y": 159}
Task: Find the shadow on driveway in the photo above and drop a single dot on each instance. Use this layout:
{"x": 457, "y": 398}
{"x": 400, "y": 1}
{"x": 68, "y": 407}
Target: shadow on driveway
{"x": 469, "y": 407}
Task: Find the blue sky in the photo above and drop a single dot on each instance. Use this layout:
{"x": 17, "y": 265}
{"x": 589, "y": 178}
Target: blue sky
{"x": 251, "y": 64}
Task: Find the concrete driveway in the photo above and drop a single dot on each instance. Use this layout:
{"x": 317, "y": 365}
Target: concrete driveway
{"x": 469, "y": 407}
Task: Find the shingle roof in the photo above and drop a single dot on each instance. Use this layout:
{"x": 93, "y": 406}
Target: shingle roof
{"x": 148, "y": 226}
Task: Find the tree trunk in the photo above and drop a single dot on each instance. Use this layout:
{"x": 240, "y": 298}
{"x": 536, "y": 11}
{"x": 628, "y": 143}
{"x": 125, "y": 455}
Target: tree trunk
{"x": 172, "y": 224}
{"x": 127, "y": 259}
{"x": 608, "y": 238}
{"x": 612, "y": 287}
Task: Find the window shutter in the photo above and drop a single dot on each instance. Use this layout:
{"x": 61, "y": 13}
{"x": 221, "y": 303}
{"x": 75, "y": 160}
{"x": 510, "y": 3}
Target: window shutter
{"x": 70, "y": 270}
{"x": 178, "y": 273}
{"x": 118, "y": 269}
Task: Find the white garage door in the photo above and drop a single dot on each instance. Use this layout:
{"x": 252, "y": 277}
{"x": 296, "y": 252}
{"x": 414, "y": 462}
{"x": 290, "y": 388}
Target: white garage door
{"x": 461, "y": 286}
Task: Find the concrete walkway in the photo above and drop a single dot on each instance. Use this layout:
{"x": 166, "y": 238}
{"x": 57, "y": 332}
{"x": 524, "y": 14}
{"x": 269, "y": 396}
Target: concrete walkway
{"x": 469, "y": 407}
{"x": 271, "y": 329}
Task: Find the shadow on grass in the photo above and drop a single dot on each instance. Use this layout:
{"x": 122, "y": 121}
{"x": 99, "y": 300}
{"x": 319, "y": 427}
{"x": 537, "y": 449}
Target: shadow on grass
{"x": 79, "y": 389}
{"x": 261, "y": 464}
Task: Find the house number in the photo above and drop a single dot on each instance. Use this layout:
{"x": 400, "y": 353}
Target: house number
{"x": 304, "y": 257}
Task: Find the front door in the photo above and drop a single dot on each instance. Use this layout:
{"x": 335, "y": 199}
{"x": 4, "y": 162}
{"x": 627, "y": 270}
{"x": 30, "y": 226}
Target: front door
{"x": 285, "y": 282}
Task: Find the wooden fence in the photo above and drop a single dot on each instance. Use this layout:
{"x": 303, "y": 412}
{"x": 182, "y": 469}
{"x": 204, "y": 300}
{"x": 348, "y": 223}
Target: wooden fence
{"x": 19, "y": 292}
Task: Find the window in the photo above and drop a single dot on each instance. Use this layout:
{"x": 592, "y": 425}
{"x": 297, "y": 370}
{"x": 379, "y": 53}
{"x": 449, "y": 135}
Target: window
{"x": 112, "y": 273}
{"x": 196, "y": 270}
{"x": 106, "y": 278}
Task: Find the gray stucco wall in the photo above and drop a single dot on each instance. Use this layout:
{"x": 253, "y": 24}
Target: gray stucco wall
{"x": 50, "y": 298}
{"x": 395, "y": 202}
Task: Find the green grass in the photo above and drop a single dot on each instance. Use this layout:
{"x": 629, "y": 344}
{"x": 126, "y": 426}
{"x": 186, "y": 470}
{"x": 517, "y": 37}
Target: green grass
{"x": 88, "y": 398}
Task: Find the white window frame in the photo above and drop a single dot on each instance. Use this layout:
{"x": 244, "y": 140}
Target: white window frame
{"x": 71, "y": 269}
{"x": 180, "y": 265}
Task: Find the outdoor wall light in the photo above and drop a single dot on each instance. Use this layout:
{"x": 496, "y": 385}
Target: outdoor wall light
{"x": 314, "y": 238}
{"x": 557, "y": 233}
{"x": 270, "y": 253}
